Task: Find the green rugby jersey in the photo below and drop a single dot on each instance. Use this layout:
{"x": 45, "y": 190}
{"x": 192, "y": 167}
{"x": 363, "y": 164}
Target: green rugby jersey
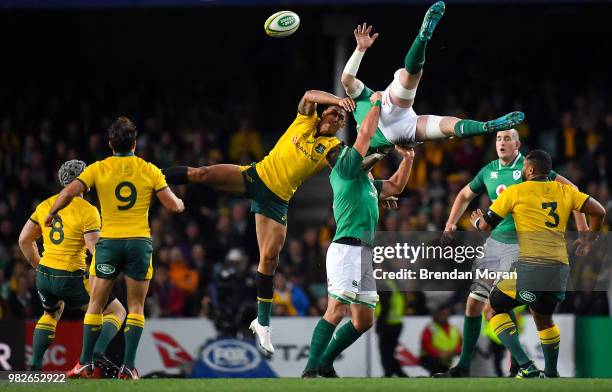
{"x": 362, "y": 108}
{"x": 355, "y": 197}
{"x": 493, "y": 179}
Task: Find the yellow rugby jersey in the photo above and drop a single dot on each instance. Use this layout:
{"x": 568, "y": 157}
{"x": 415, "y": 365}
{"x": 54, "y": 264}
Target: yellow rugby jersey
{"x": 125, "y": 185}
{"x": 63, "y": 242}
{"x": 540, "y": 210}
{"x": 297, "y": 155}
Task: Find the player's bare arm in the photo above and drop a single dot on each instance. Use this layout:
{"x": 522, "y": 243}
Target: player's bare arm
{"x": 91, "y": 239}
{"x": 579, "y": 217}
{"x": 460, "y": 205}
{"x": 364, "y": 42}
{"x": 27, "y": 242}
{"x": 396, "y": 184}
{"x": 308, "y": 103}
{"x": 597, "y": 214}
{"x": 170, "y": 201}
{"x": 73, "y": 189}
{"x": 369, "y": 125}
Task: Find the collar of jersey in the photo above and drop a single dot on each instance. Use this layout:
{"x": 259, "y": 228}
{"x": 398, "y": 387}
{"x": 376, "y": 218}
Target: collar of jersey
{"x": 500, "y": 166}
{"x": 541, "y": 178}
{"x": 123, "y": 154}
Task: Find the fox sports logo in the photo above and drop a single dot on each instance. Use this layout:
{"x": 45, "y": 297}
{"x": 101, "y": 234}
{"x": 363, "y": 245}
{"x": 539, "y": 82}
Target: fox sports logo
{"x": 231, "y": 355}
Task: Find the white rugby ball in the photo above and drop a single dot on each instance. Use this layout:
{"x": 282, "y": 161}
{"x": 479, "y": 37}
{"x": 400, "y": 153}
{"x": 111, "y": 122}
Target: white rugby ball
{"x": 282, "y": 24}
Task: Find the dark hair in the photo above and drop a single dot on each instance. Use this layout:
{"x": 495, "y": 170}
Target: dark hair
{"x": 122, "y": 134}
{"x": 541, "y": 162}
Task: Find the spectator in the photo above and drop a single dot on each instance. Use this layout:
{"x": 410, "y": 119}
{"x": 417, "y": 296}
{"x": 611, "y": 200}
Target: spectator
{"x": 440, "y": 343}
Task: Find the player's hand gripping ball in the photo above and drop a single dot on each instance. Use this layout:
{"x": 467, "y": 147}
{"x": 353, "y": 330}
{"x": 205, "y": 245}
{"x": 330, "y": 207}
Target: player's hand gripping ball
{"x": 282, "y": 24}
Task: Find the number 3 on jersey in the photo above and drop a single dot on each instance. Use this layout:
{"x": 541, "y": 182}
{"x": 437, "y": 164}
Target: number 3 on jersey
{"x": 553, "y": 208}
{"x": 121, "y": 195}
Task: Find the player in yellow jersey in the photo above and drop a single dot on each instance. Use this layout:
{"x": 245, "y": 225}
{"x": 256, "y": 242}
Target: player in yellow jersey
{"x": 61, "y": 277}
{"x": 299, "y": 153}
{"x": 540, "y": 209}
{"x": 125, "y": 185}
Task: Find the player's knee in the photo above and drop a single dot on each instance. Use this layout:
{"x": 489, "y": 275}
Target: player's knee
{"x": 335, "y": 312}
{"x": 363, "y": 322}
{"x": 116, "y": 309}
{"x": 268, "y": 262}
{"x": 474, "y": 306}
{"x": 543, "y": 321}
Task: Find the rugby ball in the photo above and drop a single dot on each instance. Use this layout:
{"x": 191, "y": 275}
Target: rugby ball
{"x": 282, "y": 24}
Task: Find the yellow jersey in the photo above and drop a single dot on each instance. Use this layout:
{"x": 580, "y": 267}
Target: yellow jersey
{"x": 125, "y": 185}
{"x": 297, "y": 155}
{"x": 63, "y": 242}
{"x": 540, "y": 210}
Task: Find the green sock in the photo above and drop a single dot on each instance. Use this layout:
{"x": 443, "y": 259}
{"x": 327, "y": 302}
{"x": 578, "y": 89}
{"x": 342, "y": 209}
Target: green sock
{"x": 469, "y": 128}
{"x": 416, "y": 56}
{"x": 44, "y": 333}
{"x": 134, "y": 325}
{"x": 471, "y": 332}
{"x": 513, "y": 360}
{"x": 265, "y": 292}
{"x": 92, "y": 324}
{"x": 550, "y": 339}
{"x": 110, "y": 327}
{"x": 346, "y": 335}
{"x": 507, "y": 332}
{"x": 320, "y": 339}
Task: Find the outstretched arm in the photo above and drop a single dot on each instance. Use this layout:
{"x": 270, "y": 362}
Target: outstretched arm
{"x": 73, "y": 189}
{"x": 396, "y": 184}
{"x": 596, "y": 213}
{"x": 368, "y": 126}
{"x": 461, "y": 203}
{"x": 579, "y": 217}
{"x": 308, "y": 103}
{"x": 352, "y": 85}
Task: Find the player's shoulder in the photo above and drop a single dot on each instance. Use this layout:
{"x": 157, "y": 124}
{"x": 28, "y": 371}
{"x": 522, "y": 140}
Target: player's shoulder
{"x": 48, "y": 202}
{"x": 83, "y": 204}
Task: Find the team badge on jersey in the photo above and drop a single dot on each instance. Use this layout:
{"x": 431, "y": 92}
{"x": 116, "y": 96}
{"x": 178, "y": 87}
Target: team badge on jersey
{"x": 493, "y": 174}
{"x": 516, "y": 174}
{"x": 319, "y": 148}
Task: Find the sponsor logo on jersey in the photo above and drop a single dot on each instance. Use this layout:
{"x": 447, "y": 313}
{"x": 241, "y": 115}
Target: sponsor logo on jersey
{"x": 500, "y": 188}
{"x": 231, "y": 355}
{"x": 493, "y": 174}
{"x": 105, "y": 268}
{"x": 320, "y": 148}
{"x": 355, "y": 283}
{"x": 516, "y": 174}
{"x": 303, "y": 150}
{"x": 527, "y": 296}
{"x": 172, "y": 354}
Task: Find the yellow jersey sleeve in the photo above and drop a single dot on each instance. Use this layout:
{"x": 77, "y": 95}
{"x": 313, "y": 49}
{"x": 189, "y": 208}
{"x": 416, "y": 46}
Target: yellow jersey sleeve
{"x": 35, "y": 215}
{"x": 308, "y": 120}
{"x": 159, "y": 180}
{"x": 91, "y": 220}
{"x": 88, "y": 176}
{"x": 504, "y": 203}
{"x": 578, "y": 199}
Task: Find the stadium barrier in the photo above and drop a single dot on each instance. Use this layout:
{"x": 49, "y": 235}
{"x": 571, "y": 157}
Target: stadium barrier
{"x": 170, "y": 347}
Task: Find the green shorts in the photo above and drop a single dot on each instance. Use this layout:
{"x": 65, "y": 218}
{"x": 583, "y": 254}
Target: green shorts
{"x": 263, "y": 200}
{"x": 55, "y": 285}
{"x": 132, "y": 256}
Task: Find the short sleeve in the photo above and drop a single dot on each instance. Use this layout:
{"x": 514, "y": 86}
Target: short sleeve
{"x": 304, "y": 119}
{"x": 349, "y": 163}
{"x": 364, "y": 94}
{"x": 378, "y": 184}
{"x": 477, "y": 184}
{"x": 34, "y": 217}
{"x": 88, "y": 176}
{"x": 578, "y": 198}
{"x": 504, "y": 203}
{"x": 91, "y": 222}
{"x": 159, "y": 180}
{"x": 552, "y": 176}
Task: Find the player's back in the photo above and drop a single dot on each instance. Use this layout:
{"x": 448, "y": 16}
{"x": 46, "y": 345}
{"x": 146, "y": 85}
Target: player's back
{"x": 63, "y": 242}
{"x": 125, "y": 185}
{"x": 541, "y": 211}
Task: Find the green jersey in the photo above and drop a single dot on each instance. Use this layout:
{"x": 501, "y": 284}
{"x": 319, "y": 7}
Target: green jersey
{"x": 362, "y": 108}
{"x": 493, "y": 179}
{"x": 355, "y": 197}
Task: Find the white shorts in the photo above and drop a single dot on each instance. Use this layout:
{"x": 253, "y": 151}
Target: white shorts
{"x": 499, "y": 257}
{"x": 350, "y": 276}
{"x": 398, "y": 125}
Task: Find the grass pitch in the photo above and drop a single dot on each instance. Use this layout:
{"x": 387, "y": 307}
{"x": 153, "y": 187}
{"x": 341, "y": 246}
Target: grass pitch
{"x": 322, "y": 385}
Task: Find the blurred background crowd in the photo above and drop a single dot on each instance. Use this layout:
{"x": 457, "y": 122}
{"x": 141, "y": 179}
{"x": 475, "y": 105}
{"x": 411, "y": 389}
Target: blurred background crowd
{"x": 226, "y": 101}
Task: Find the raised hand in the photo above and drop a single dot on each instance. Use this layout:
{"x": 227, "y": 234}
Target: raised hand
{"x": 363, "y": 38}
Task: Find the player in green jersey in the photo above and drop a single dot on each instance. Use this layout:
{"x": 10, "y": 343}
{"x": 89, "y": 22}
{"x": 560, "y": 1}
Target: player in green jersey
{"x": 350, "y": 279}
{"x": 398, "y": 123}
{"x": 501, "y": 248}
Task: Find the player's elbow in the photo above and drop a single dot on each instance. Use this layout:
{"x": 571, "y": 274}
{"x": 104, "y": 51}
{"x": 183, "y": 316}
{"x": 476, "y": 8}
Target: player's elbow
{"x": 346, "y": 80}
{"x": 176, "y": 207}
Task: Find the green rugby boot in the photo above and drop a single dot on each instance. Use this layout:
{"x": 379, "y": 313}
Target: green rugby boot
{"x": 432, "y": 17}
{"x": 505, "y": 122}
{"x": 529, "y": 370}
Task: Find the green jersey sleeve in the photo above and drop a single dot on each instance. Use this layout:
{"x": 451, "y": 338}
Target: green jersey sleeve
{"x": 349, "y": 163}
{"x": 477, "y": 184}
{"x": 552, "y": 175}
